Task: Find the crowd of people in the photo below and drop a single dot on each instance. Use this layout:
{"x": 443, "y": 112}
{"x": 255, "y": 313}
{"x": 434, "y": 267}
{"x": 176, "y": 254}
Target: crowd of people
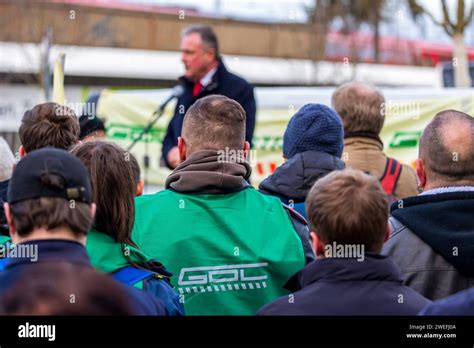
{"x": 338, "y": 229}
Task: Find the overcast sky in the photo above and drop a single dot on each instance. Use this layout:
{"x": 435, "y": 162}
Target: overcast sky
{"x": 296, "y": 11}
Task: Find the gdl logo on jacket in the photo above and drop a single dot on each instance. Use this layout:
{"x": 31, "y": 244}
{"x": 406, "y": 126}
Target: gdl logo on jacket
{"x": 223, "y": 278}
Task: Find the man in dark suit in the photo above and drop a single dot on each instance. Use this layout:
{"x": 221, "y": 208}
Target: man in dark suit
{"x": 205, "y": 74}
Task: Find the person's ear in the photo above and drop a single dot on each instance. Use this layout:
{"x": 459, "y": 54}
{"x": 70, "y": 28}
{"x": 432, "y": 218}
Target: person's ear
{"x": 140, "y": 187}
{"x": 181, "y": 149}
{"x": 421, "y": 173}
{"x": 22, "y": 151}
{"x": 93, "y": 209}
{"x": 387, "y": 233}
{"x": 10, "y": 222}
{"x": 211, "y": 54}
{"x": 246, "y": 149}
{"x": 317, "y": 244}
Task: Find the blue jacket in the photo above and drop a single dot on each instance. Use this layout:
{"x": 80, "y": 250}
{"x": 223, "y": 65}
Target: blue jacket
{"x": 343, "y": 286}
{"x": 461, "y": 303}
{"x": 223, "y": 82}
{"x": 74, "y": 253}
{"x": 292, "y": 180}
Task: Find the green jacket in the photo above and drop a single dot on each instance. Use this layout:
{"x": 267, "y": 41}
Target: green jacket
{"x": 109, "y": 256}
{"x": 230, "y": 253}
{"x": 4, "y": 239}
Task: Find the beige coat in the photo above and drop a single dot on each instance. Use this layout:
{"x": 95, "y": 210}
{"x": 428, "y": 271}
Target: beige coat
{"x": 366, "y": 154}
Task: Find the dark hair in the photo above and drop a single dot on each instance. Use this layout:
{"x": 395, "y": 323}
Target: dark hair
{"x": 208, "y": 36}
{"x": 51, "y": 213}
{"x": 349, "y": 207}
{"x": 214, "y": 123}
{"x": 49, "y": 124}
{"x": 64, "y": 289}
{"x": 447, "y": 146}
{"x": 135, "y": 168}
{"x": 113, "y": 187}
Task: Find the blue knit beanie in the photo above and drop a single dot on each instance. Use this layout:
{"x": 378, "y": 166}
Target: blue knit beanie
{"x": 314, "y": 127}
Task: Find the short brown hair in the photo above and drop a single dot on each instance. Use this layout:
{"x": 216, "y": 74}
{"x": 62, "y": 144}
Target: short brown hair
{"x": 113, "y": 187}
{"x": 50, "y": 214}
{"x": 49, "y": 124}
{"x": 214, "y": 123}
{"x": 447, "y": 146}
{"x": 361, "y": 107}
{"x": 349, "y": 207}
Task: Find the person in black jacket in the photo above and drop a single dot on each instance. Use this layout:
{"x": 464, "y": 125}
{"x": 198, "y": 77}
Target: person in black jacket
{"x": 49, "y": 212}
{"x": 461, "y": 303}
{"x": 432, "y": 234}
{"x": 348, "y": 210}
{"x": 205, "y": 74}
{"x": 312, "y": 146}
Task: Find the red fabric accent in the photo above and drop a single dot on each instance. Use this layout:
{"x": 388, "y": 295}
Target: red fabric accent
{"x": 197, "y": 88}
{"x": 390, "y": 177}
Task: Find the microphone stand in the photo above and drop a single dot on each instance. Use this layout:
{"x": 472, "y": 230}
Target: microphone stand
{"x": 157, "y": 113}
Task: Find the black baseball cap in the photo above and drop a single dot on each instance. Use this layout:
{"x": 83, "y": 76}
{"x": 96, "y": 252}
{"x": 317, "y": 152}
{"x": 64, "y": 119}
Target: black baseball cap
{"x": 30, "y": 179}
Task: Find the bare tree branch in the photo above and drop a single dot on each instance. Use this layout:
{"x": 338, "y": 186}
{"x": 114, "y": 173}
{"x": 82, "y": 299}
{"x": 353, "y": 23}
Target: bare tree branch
{"x": 447, "y": 20}
{"x": 417, "y": 9}
{"x": 469, "y": 17}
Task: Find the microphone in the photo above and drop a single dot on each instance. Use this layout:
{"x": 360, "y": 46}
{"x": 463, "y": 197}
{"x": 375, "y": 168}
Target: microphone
{"x": 176, "y": 92}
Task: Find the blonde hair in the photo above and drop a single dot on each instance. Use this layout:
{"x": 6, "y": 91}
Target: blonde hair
{"x": 361, "y": 107}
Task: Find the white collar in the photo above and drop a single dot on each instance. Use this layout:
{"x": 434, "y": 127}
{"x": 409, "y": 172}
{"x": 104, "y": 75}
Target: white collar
{"x": 446, "y": 189}
{"x": 206, "y": 79}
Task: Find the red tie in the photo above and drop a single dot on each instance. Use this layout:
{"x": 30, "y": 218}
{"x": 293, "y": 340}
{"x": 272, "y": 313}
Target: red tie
{"x": 197, "y": 88}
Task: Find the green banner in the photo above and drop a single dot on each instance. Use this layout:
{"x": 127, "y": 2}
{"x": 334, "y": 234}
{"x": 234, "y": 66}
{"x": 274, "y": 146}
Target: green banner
{"x": 127, "y": 114}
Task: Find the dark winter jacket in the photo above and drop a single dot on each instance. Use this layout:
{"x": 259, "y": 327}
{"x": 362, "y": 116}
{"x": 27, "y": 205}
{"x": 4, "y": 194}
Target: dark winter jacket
{"x": 461, "y": 303}
{"x": 292, "y": 181}
{"x": 346, "y": 286}
{"x": 432, "y": 241}
{"x": 76, "y": 254}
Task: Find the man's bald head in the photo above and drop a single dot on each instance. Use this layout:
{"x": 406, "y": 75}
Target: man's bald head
{"x": 214, "y": 123}
{"x": 447, "y": 148}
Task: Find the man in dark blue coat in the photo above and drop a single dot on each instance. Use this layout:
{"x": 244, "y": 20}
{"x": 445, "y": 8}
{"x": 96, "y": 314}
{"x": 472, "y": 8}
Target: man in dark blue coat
{"x": 461, "y": 303}
{"x": 205, "y": 74}
{"x": 348, "y": 211}
{"x": 49, "y": 212}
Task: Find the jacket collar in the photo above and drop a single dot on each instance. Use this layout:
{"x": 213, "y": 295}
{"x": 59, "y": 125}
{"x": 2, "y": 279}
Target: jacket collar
{"x": 444, "y": 222}
{"x": 109, "y": 255}
{"x": 215, "y": 80}
{"x": 366, "y": 139}
{"x": 374, "y": 267}
{"x": 56, "y": 250}
{"x": 294, "y": 178}
{"x": 461, "y": 196}
{"x": 208, "y": 172}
